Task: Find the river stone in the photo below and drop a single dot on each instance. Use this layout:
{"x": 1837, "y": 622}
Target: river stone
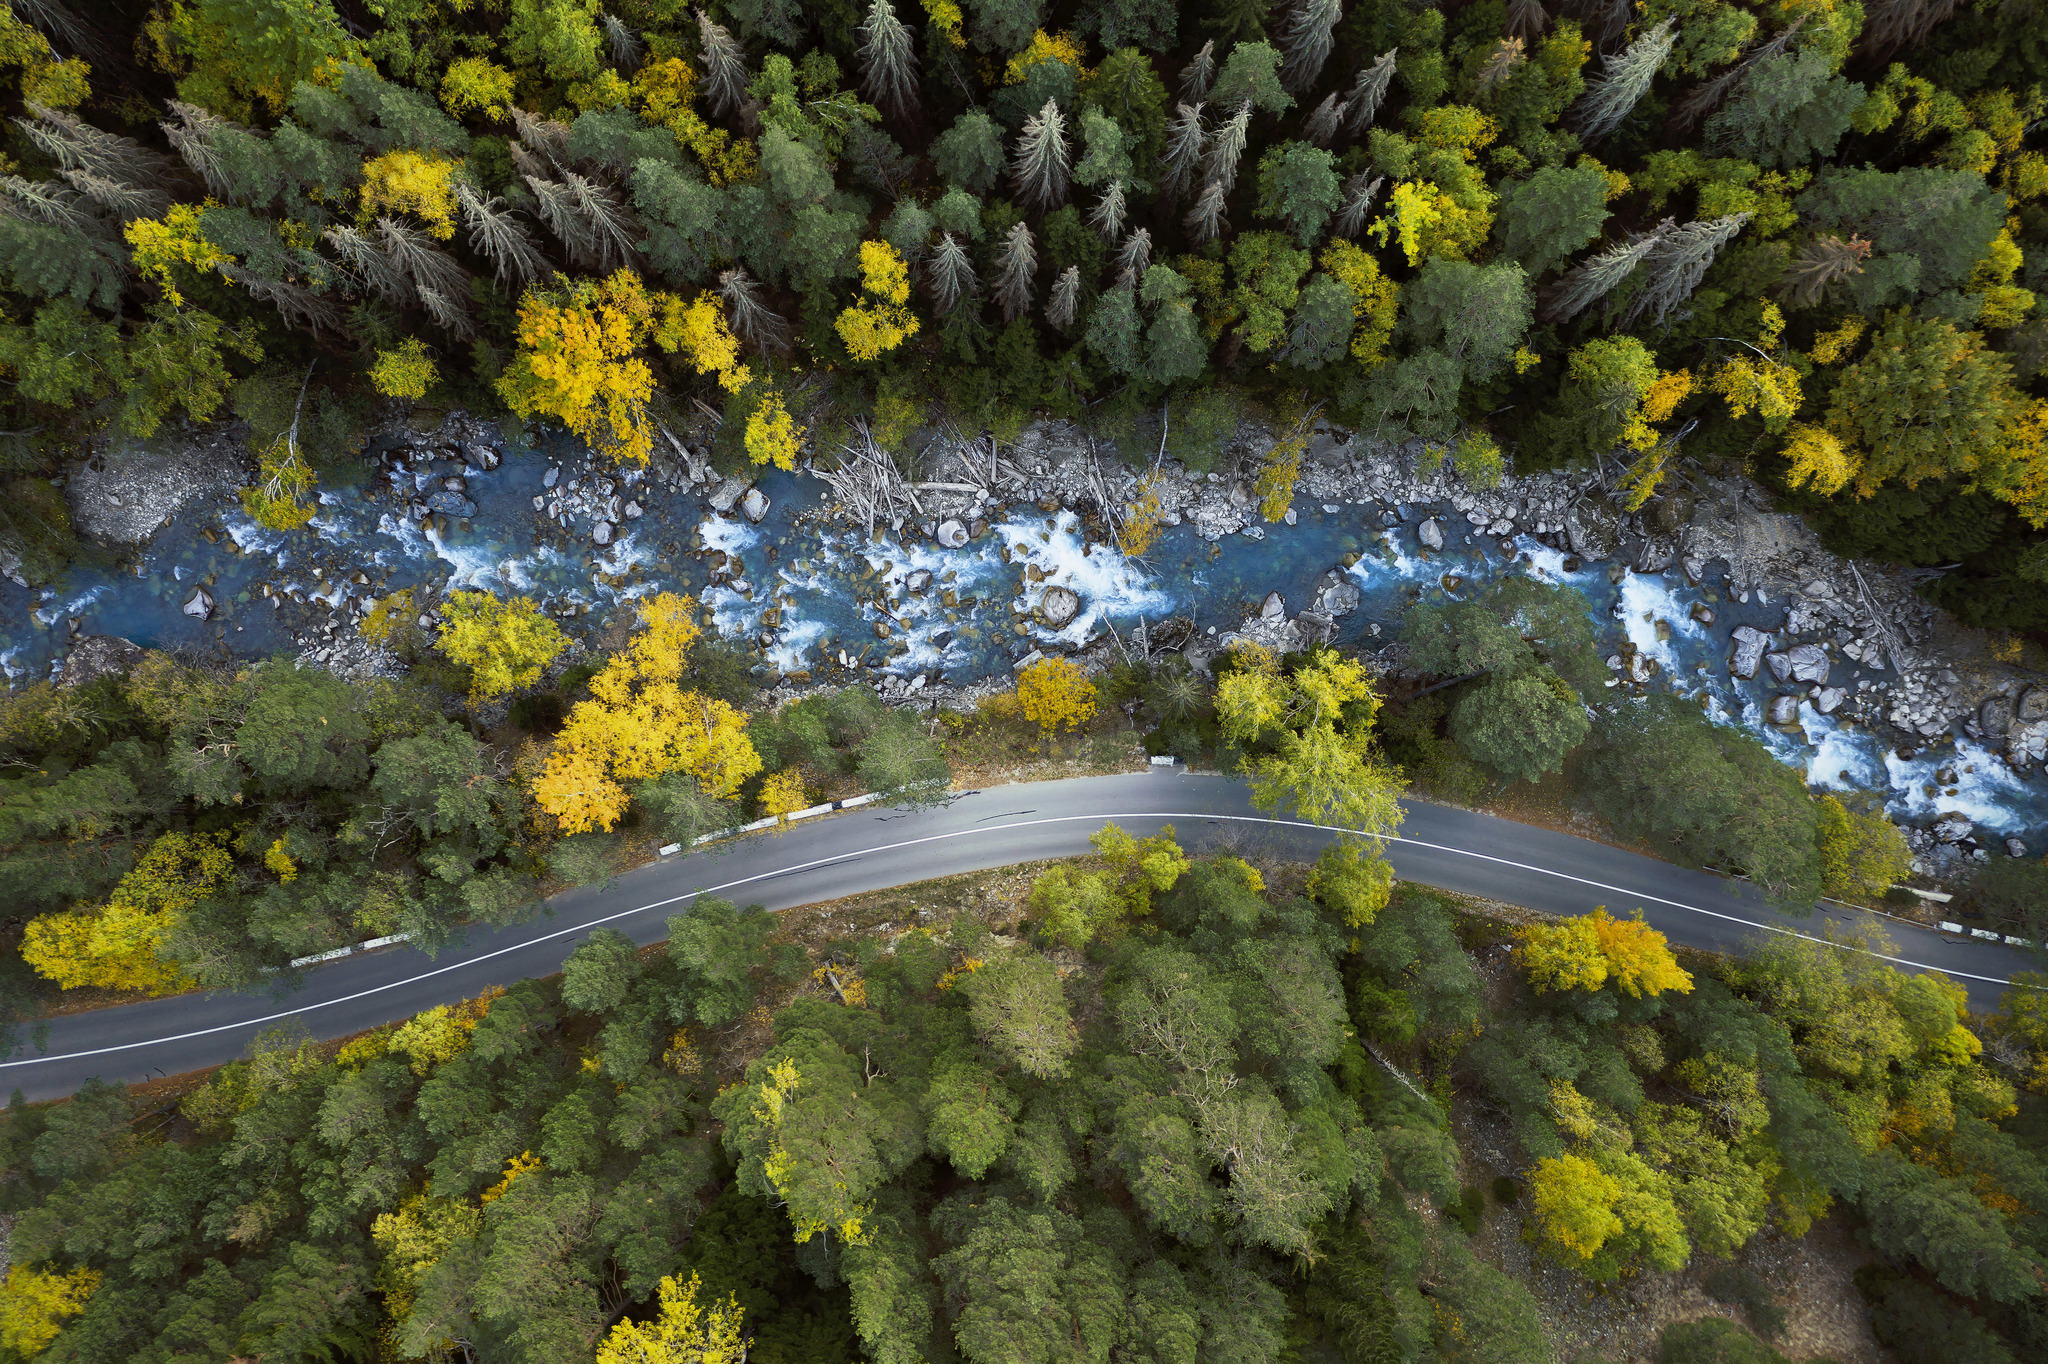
{"x": 97, "y": 656}
{"x": 551, "y": 477}
{"x": 1953, "y": 828}
{"x": 1656, "y": 556}
{"x": 1784, "y": 709}
{"x": 1703, "y": 613}
{"x": 483, "y": 456}
{"x": 1273, "y": 607}
{"x": 1809, "y": 663}
{"x": 1828, "y": 700}
{"x": 1994, "y": 717}
{"x": 1749, "y": 645}
{"x": 1780, "y": 666}
{"x": 449, "y": 503}
{"x": 1431, "y": 534}
{"x": 727, "y": 494}
{"x": 952, "y": 532}
{"x": 754, "y": 505}
{"x": 2032, "y": 705}
{"x": 2027, "y": 743}
{"x": 2015, "y": 848}
{"x": 200, "y": 605}
{"x": 1594, "y": 529}
{"x": 1339, "y": 597}
{"x": 455, "y": 483}
{"x": 601, "y": 533}
{"x": 1059, "y": 606}
{"x": 634, "y": 511}
{"x": 918, "y": 580}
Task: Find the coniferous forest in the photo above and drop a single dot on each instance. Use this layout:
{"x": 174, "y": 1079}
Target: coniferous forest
{"x": 1169, "y": 1104}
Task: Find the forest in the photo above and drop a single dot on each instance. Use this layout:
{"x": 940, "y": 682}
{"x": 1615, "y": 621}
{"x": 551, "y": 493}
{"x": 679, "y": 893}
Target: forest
{"x": 1181, "y": 1110}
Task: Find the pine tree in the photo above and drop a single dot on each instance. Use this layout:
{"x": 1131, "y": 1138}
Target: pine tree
{"x": 1134, "y": 259}
{"x": 1677, "y": 263}
{"x": 1505, "y": 59}
{"x": 441, "y": 284}
{"x": 1197, "y": 74}
{"x": 890, "y": 66}
{"x": 1892, "y": 24}
{"x": 1623, "y": 80}
{"x": 1305, "y": 40}
{"x": 371, "y": 267}
{"x": 1107, "y": 217}
{"x": 192, "y": 137}
{"x": 1824, "y": 261}
{"x": 594, "y": 226}
{"x": 725, "y": 66}
{"x": 950, "y": 276}
{"x": 753, "y": 321}
{"x": 1065, "y": 300}
{"x": 1526, "y": 19}
{"x": 497, "y": 235}
{"x": 1598, "y": 274}
{"x": 1185, "y": 138}
{"x": 1039, "y": 173}
{"x": 1204, "y": 222}
{"x": 1359, "y": 193}
{"x": 1220, "y": 165}
{"x": 1706, "y": 97}
{"x": 1014, "y": 270}
{"x": 1368, "y": 91}
{"x": 1320, "y": 127}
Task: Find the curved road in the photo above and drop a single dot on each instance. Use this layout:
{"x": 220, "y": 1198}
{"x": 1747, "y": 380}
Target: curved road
{"x": 874, "y": 848}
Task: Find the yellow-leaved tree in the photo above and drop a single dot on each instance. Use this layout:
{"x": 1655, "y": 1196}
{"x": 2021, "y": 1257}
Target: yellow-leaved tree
{"x": 1054, "y": 693}
{"x": 406, "y": 371}
{"x": 880, "y": 321}
{"x": 414, "y": 182}
{"x": 1587, "y": 952}
{"x": 1375, "y": 300}
{"x": 578, "y": 362}
{"x": 1307, "y": 739}
{"x": 682, "y": 1333}
{"x": 640, "y": 723}
{"x": 35, "y": 1304}
{"x": 116, "y": 947}
{"x": 504, "y": 644}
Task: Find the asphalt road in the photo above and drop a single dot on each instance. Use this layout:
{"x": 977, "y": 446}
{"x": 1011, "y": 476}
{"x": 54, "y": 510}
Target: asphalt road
{"x": 874, "y": 848}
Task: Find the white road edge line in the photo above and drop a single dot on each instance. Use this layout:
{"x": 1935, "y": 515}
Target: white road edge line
{"x": 936, "y": 838}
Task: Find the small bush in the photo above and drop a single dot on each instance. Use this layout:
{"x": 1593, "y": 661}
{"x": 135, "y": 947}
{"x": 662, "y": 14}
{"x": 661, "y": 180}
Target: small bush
{"x": 1506, "y": 1191}
{"x": 1713, "y": 1340}
{"x": 538, "y": 712}
{"x": 1740, "y": 1286}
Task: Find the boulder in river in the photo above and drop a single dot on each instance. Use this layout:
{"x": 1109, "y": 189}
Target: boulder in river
{"x": 1953, "y": 827}
{"x": 601, "y": 533}
{"x": 633, "y": 511}
{"x": 754, "y": 505}
{"x": 1058, "y": 607}
{"x": 483, "y": 456}
{"x": 1338, "y": 596}
{"x": 952, "y": 532}
{"x": 1784, "y": 709}
{"x": 726, "y": 495}
{"x": 1994, "y": 717}
{"x": 2032, "y": 705}
{"x": 2027, "y": 742}
{"x": 1703, "y": 613}
{"x": 551, "y": 477}
{"x": 1809, "y": 663}
{"x": 1749, "y": 645}
{"x": 2015, "y": 848}
{"x": 1274, "y": 607}
{"x": 918, "y": 580}
{"x": 97, "y": 656}
{"x": 1780, "y": 666}
{"x": 199, "y": 605}
{"x": 1594, "y": 529}
{"x": 1828, "y": 700}
{"x": 1431, "y": 534}
{"x": 449, "y": 503}
{"x": 1655, "y": 556}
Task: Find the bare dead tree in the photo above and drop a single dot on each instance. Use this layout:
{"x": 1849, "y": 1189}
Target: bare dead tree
{"x": 1320, "y": 127}
{"x": 1197, "y": 75}
{"x": 1204, "y": 222}
{"x": 753, "y": 321}
{"x": 1359, "y": 193}
{"x": 1185, "y": 138}
{"x": 1824, "y": 261}
{"x": 496, "y": 233}
{"x": 1065, "y": 301}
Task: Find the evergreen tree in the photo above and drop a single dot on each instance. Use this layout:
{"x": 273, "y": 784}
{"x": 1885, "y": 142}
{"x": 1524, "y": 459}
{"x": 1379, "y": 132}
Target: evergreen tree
{"x": 1320, "y": 127}
{"x": 1367, "y": 91}
{"x": 969, "y": 155}
{"x": 1197, "y": 75}
{"x": 1252, "y": 72}
{"x": 1015, "y": 268}
{"x": 889, "y": 65}
{"x": 1305, "y": 39}
{"x": 1185, "y": 138}
{"x": 1676, "y": 264}
{"x": 950, "y": 276}
{"x": 1599, "y": 274}
{"x": 1204, "y": 222}
{"x": 725, "y": 66}
{"x": 1039, "y": 172}
{"x": 1113, "y": 330}
{"x": 1623, "y": 80}
{"x": 1065, "y": 300}
{"x": 1235, "y": 22}
{"x": 1219, "y": 165}
{"x": 1298, "y": 186}
{"x": 1543, "y": 219}
{"x": 1107, "y": 217}
{"x": 1359, "y": 192}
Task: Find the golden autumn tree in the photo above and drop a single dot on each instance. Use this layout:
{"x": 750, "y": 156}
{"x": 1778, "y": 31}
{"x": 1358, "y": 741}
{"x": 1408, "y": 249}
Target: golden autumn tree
{"x": 683, "y": 1332}
{"x": 35, "y": 1304}
{"x": 881, "y": 320}
{"x": 505, "y": 644}
{"x": 640, "y": 723}
{"x": 116, "y": 947}
{"x": 578, "y": 362}
{"x": 1586, "y": 952}
{"x": 1055, "y": 694}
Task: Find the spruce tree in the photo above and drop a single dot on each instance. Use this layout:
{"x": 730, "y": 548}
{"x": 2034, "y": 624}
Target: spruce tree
{"x": 1825, "y": 260}
{"x": 1039, "y": 173}
{"x": 725, "y": 66}
{"x": 1320, "y": 127}
{"x": 1599, "y": 274}
{"x": 1014, "y": 270}
{"x": 1219, "y": 166}
{"x": 1065, "y": 300}
{"x": 753, "y": 321}
{"x": 1623, "y": 80}
{"x": 1526, "y": 19}
{"x": 1196, "y": 76}
{"x": 950, "y": 277}
{"x": 1368, "y": 91}
{"x": 1677, "y": 263}
{"x": 1107, "y": 217}
{"x": 624, "y": 44}
{"x": 1185, "y": 138}
{"x": 1134, "y": 259}
{"x": 1359, "y": 192}
{"x": 1305, "y": 40}
{"x": 889, "y": 66}
{"x": 1204, "y": 222}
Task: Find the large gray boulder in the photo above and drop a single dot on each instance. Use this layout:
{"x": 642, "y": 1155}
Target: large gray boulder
{"x": 1273, "y": 607}
{"x": 1809, "y": 663}
{"x": 754, "y": 505}
{"x": 95, "y": 656}
{"x": 952, "y": 533}
{"x": 1338, "y": 597}
{"x": 2032, "y": 705}
{"x": 1828, "y": 700}
{"x": 1953, "y": 827}
{"x": 2027, "y": 742}
{"x": 126, "y": 494}
{"x": 1784, "y": 709}
{"x": 1058, "y": 607}
{"x": 1748, "y": 644}
{"x": 1430, "y": 534}
{"x": 1594, "y": 529}
{"x": 726, "y": 495}
{"x": 1994, "y": 717}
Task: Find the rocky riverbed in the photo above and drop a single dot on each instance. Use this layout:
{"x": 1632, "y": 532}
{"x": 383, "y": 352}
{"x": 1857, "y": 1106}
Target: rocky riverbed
{"x": 1001, "y": 555}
